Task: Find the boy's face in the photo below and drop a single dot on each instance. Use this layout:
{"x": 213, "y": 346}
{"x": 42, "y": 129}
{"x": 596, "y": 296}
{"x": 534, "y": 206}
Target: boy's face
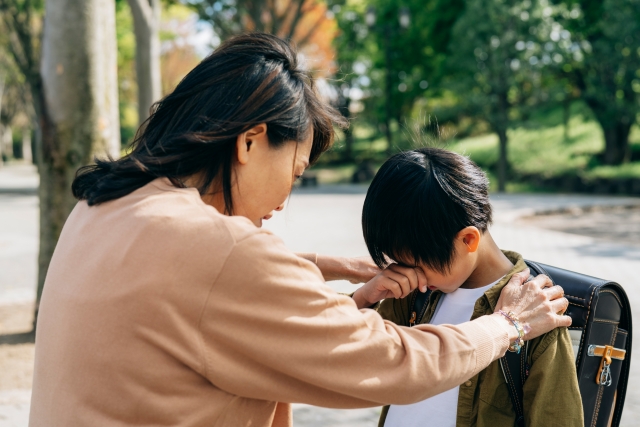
{"x": 464, "y": 263}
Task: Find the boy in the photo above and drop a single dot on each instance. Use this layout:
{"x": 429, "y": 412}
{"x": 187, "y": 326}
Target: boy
{"x": 429, "y": 209}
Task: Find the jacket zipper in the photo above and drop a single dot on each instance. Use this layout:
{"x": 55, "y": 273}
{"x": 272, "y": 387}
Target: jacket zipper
{"x": 416, "y": 317}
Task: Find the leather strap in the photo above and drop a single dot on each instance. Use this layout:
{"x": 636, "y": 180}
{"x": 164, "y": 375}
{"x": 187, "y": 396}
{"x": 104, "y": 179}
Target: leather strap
{"x": 514, "y": 369}
{"x": 606, "y": 351}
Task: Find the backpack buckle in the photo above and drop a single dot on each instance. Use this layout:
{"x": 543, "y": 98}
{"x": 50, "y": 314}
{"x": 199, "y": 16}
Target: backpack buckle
{"x": 605, "y": 374}
{"x": 607, "y": 352}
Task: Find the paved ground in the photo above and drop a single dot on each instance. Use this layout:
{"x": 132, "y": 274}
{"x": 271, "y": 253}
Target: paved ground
{"x": 618, "y": 224}
{"x": 325, "y": 220}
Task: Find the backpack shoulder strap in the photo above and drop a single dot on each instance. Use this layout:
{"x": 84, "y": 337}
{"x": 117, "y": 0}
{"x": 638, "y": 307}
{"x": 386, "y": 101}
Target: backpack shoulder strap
{"x": 514, "y": 369}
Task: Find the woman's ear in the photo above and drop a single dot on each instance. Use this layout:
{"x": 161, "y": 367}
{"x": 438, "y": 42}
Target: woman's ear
{"x": 470, "y": 237}
{"x": 247, "y": 142}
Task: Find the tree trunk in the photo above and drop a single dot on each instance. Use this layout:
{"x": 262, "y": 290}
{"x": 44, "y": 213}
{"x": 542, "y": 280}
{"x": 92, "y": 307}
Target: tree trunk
{"x": 566, "y": 116}
{"x": 27, "y": 154}
{"x": 78, "y": 108}
{"x": 146, "y": 23}
{"x": 343, "y": 104}
{"x": 503, "y": 161}
{"x": 7, "y": 142}
{"x": 616, "y": 139}
{"x": 388, "y": 87}
{"x": 616, "y": 126}
{"x": 2, "y": 83}
{"x": 348, "y": 143}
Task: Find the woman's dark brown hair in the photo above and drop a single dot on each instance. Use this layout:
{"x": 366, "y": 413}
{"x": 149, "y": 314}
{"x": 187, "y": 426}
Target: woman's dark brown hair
{"x": 248, "y": 80}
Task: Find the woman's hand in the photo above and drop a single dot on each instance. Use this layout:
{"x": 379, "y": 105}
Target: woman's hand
{"x": 538, "y": 304}
{"x": 393, "y": 282}
{"x": 361, "y": 270}
{"x": 355, "y": 270}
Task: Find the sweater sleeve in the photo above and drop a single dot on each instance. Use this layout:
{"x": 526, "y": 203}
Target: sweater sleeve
{"x": 271, "y": 329}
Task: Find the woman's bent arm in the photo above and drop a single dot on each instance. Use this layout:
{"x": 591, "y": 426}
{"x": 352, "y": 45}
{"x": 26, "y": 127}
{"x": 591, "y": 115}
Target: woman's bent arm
{"x": 272, "y": 330}
{"x": 355, "y": 270}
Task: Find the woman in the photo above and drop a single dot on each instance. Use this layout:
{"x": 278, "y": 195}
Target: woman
{"x": 166, "y": 304}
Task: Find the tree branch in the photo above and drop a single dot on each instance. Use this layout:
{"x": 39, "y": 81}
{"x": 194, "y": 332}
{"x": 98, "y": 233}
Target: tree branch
{"x": 304, "y": 40}
{"x": 142, "y": 9}
{"x": 16, "y": 45}
{"x": 254, "y": 10}
{"x": 297, "y": 15}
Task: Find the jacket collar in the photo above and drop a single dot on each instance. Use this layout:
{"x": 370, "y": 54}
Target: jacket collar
{"x": 487, "y": 303}
{"x": 493, "y": 293}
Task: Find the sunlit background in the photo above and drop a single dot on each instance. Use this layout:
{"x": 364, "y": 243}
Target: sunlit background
{"x": 544, "y": 95}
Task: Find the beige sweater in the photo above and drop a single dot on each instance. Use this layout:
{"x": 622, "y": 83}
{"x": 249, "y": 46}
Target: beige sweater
{"x": 158, "y": 310}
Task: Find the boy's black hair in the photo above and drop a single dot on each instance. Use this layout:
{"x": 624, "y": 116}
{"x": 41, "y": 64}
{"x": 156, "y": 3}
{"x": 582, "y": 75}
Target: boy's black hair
{"x": 418, "y": 202}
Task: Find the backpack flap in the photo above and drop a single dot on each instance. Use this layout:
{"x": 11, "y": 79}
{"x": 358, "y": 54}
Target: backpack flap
{"x": 610, "y": 327}
{"x": 601, "y": 337}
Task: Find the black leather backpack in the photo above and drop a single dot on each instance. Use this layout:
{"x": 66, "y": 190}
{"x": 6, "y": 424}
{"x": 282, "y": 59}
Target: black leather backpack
{"x": 601, "y": 338}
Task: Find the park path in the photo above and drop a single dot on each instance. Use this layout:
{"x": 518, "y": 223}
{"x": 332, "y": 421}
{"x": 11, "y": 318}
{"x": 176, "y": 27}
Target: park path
{"x": 327, "y": 220}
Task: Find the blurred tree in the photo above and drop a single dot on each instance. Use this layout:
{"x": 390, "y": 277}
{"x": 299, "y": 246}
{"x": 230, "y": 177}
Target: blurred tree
{"x": 296, "y": 20}
{"x": 11, "y": 105}
{"x": 15, "y": 103}
{"x": 15, "y": 106}
{"x": 79, "y": 117}
{"x": 389, "y": 53}
{"x": 304, "y": 22}
{"x": 178, "y": 32}
{"x": 74, "y": 95}
{"x": 179, "y": 54}
{"x": 127, "y": 85}
{"x": 351, "y": 56}
{"x": 494, "y": 65}
{"x": 146, "y": 19}
{"x": 20, "y": 32}
{"x": 603, "y": 37}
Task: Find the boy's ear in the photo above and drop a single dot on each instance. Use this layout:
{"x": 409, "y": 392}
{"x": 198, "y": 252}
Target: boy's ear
{"x": 470, "y": 236}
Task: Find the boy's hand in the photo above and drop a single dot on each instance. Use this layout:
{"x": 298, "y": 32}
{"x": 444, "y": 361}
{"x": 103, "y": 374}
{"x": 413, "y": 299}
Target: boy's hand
{"x": 393, "y": 282}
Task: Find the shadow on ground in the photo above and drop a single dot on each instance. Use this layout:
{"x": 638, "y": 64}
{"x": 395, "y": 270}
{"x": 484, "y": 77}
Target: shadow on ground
{"x": 18, "y": 338}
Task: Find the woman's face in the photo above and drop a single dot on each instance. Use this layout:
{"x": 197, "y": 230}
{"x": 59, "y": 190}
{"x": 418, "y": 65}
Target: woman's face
{"x": 263, "y": 175}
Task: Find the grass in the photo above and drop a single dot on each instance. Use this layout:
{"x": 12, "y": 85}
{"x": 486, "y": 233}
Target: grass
{"x": 546, "y": 152}
{"x": 540, "y": 151}
{"x": 536, "y": 148}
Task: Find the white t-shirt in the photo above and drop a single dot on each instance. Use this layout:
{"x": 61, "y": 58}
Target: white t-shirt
{"x": 441, "y": 410}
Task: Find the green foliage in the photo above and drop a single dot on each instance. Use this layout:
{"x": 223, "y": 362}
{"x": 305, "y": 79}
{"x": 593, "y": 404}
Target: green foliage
{"x": 544, "y": 151}
{"x": 605, "y": 46}
{"x": 127, "y": 86}
{"x": 513, "y": 67}
{"x": 394, "y": 64}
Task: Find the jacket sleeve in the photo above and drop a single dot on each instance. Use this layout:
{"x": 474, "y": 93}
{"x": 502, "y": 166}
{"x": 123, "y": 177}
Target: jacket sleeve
{"x": 551, "y": 393}
{"x": 395, "y": 310}
{"x": 272, "y": 330}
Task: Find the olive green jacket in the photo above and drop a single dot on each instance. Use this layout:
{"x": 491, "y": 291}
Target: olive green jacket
{"x": 551, "y": 394}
